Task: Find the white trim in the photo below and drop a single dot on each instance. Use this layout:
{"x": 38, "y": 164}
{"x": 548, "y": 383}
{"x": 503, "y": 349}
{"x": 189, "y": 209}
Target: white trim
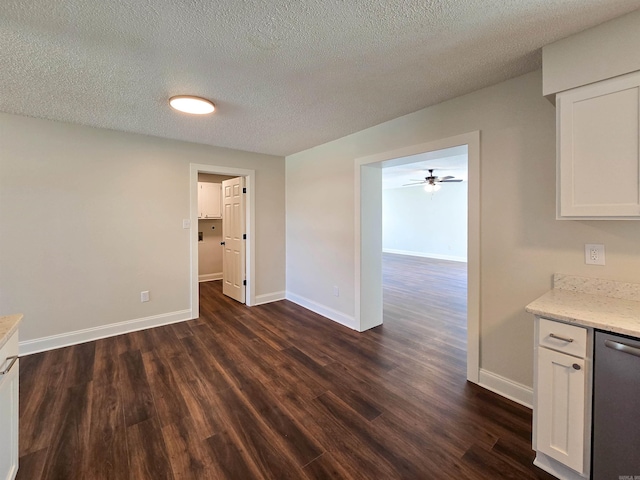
{"x": 323, "y": 310}
{"x": 555, "y": 468}
{"x": 368, "y": 277}
{"x": 36, "y": 345}
{"x": 437, "y": 256}
{"x": 209, "y": 277}
{"x": 269, "y": 297}
{"x": 371, "y": 306}
{"x": 250, "y": 226}
{"x": 507, "y": 388}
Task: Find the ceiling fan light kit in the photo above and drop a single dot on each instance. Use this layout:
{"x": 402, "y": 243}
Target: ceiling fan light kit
{"x": 432, "y": 183}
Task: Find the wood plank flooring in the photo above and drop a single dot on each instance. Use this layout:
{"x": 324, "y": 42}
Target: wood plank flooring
{"x": 277, "y": 392}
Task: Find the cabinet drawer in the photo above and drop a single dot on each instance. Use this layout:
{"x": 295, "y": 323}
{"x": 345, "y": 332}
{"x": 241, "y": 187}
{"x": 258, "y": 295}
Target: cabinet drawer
{"x": 562, "y": 337}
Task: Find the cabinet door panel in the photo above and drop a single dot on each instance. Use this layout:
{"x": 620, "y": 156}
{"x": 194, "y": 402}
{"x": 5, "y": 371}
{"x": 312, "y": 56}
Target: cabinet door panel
{"x": 209, "y": 200}
{"x": 561, "y": 408}
{"x": 202, "y": 199}
{"x": 605, "y": 149}
{"x": 216, "y": 200}
{"x": 598, "y": 157}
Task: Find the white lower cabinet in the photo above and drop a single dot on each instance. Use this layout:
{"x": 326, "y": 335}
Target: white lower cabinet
{"x": 562, "y": 399}
{"x": 9, "y": 364}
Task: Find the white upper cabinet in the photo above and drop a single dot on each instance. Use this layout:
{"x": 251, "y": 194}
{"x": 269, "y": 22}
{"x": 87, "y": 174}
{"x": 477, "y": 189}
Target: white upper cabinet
{"x": 598, "y": 150}
{"x": 209, "y": 200}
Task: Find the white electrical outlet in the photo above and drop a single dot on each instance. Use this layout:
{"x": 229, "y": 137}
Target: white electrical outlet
{"x": 336, "y": 292}
{"x": 144, "y": 296}
{"x": 594, "y": 254}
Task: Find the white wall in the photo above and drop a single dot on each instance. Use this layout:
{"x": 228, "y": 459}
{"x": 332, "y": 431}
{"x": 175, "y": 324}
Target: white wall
{"x": 521, "y": 243}
{"x": 91, "y": 217}
{"x": 210, "y": 250}
{"x": 415, "y": 222}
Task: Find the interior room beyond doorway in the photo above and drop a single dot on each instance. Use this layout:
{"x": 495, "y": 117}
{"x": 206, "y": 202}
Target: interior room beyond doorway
{"x": 368, "y": 234}
{"x": 210, "y": 227}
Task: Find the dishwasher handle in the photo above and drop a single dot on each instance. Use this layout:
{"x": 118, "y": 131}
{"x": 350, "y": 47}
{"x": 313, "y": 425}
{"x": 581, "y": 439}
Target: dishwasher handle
{"x": 622, "y": 347}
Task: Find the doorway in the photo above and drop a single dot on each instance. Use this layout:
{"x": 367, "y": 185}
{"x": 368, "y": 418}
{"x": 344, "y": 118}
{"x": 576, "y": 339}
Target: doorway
{"x": 248, "y": 177}
{"x": 210, "y": 248}
{"x": 424, "y": 251}
{"x": 368, "y": 236}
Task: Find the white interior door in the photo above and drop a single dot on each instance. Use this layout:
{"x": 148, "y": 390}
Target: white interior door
{"x": 233, "y": 230}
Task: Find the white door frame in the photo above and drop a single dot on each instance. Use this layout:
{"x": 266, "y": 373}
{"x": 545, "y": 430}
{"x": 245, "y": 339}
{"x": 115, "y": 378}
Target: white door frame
{"x": 368, "y": 238}
{"x": 250, "y": 185}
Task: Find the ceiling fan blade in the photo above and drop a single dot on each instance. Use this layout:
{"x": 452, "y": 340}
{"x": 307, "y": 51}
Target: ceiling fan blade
{"x": 447, "y": 177}
{"x": 453, "y": 180}
{"x": 417, "y": 179}
{"x": 415, "y": 183}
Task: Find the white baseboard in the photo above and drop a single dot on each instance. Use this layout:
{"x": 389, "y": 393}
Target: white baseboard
{"x": 209, "y": 277}
{"x": 437, "y": 256}
{"x": 323, "y": 310}
{"x": 269, "y": 297}
{"x": 507, "y": 388}
{"x": 36, "y": 345}
{"x": 556, "y": 469}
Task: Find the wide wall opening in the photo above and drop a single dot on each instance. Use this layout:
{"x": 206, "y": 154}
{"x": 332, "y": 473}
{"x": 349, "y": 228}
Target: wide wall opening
{"x": 391, "y": 243}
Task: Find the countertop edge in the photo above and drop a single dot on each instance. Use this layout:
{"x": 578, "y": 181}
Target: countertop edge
{"x": 584, "y": 323}
{"x": 8, "y": 326}
{"x": 552, "y": 305}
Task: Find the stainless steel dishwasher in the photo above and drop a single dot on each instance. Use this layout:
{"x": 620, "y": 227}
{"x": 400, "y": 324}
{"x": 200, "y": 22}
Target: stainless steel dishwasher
{"x": 616, "y": 408}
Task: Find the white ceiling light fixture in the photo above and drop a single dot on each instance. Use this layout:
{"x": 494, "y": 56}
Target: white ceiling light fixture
{"x": 431, "y": 187}
{"x": 191, "y": 104}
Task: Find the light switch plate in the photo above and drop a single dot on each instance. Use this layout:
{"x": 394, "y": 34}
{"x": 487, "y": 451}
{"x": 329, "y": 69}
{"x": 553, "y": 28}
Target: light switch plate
{"x": 186, "y": 223}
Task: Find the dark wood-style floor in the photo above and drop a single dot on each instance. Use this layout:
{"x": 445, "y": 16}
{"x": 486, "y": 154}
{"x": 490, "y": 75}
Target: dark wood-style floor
{"x": 277, "y": 392}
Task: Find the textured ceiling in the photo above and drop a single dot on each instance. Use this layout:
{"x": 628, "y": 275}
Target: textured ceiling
{"x": 285, "y": 75}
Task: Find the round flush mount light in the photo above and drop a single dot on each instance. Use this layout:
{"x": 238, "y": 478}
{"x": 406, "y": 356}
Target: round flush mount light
{"x": 191, "y": 104}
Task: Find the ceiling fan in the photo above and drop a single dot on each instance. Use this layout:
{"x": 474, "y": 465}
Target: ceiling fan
{"x": 432, "y": 182}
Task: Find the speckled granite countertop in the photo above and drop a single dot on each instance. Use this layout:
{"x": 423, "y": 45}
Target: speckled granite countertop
{"x": 592, "y": 302}
{"x": 8, "y": 326}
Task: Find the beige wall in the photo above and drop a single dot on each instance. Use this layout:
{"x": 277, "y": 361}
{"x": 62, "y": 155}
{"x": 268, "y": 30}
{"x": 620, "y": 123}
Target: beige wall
{"x": 522, "y": 244}
{"x": 89, "y": 218}
{"x": 601, "y": 52}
